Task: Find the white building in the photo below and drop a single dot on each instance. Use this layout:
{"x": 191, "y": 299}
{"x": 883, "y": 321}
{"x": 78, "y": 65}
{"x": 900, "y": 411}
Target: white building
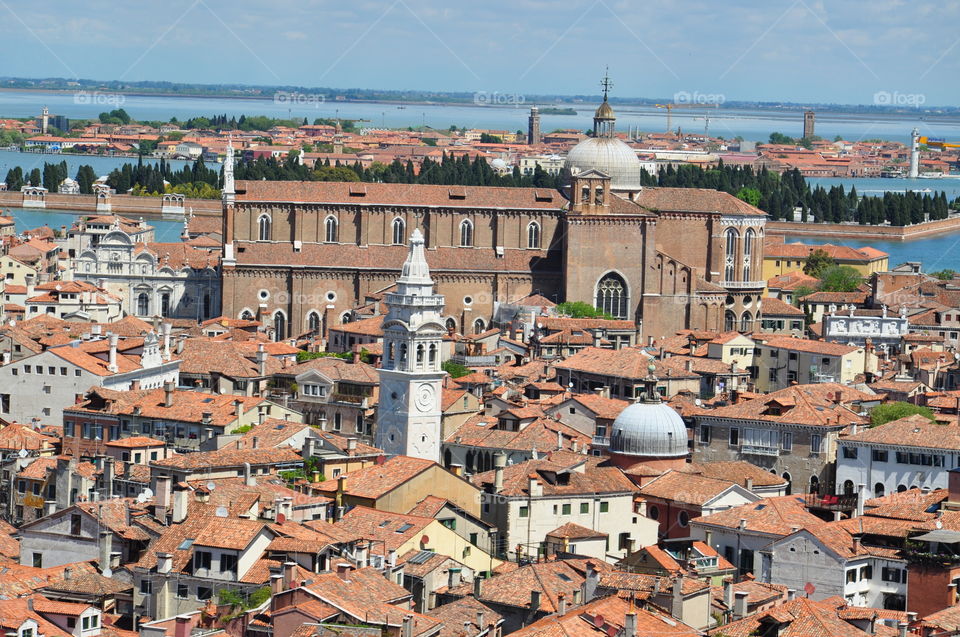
{"x": 174, "y": 280}
{"x": 550, "y": 164}
{"x": 411, "y": 380}
{"x": 530, "y": 500}
{"x": 42, "y": 385}
{"x": 904, "y": 454}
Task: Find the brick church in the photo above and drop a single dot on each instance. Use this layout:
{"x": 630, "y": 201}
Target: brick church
{"x": 302, "y": 255}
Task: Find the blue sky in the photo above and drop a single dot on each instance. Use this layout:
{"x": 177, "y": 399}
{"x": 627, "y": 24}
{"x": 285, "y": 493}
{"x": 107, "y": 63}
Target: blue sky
{"x": 843, "y": 51}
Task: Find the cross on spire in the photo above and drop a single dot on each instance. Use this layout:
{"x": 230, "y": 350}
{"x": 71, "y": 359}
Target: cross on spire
{"x": 606, "y": 83}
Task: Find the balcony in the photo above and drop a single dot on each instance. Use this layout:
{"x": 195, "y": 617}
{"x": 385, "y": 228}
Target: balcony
{"x": 600, "y": 441}
{"x": 479, "y": 360}
{"x": 744, "y": 285}
{"x": 758, "y": 450}
{"x": 830, "y": 502}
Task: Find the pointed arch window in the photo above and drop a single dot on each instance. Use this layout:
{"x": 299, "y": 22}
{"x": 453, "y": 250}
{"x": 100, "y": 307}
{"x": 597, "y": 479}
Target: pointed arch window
{"x": 748, "y": 252}
{"x": 466, "y": 233}
{"x": 479, "y": 326}
{"x": 264, "y": 228}
{"x": 246, "y": 315}
{"x": 279, "y": 326}
{"x": 729, "y": 321}
{"x": 433, "y": 354}
{"x": 313, "y": 322}
{"x": 330, "y": 230}
{"x": 399, "y": 232}
{"x": 746, "y": 322}
{"x": 612, "y": 295}
{"x": 730, "y": 253}
{"x": 533, "y": 235}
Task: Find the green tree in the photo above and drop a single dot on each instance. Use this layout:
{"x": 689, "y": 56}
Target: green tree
{"x": 888, "y": 412}
{"x": 456, "y": 370}
{"x": 486, "y": 138}
{"x": 801, "y": 291}
{"x": 750, "y": 195}
{"x": 840, "y": 278}
{"x": 35, "y": 178}
{"x": 944, "y": 275}
{"x": 780, "y": 138}
{"x": 579, "y": 309}
{"x": 816, "y": 262}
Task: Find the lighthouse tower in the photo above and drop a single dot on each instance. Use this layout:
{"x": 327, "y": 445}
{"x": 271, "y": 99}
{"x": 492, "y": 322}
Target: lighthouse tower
{"x": 411, "y": 380}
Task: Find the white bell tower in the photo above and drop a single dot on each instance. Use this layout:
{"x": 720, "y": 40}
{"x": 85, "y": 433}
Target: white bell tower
{"x": 411, "y": 380}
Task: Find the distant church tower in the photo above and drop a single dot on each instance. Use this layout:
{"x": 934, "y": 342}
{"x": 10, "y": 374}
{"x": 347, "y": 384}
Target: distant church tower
{"x": 533, "y": 126}
{"x": 229, "y": 201}
{"x": 809, "y": 123}
{"x": 44, "y": 121}
{"x": 411, "y": 380}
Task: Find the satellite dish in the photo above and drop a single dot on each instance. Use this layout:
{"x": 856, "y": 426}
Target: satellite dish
{"x": 221, "y": 512}
{"x": 148, "y": 492}
{"x": 141, "y": 498}
{"x": 23, "y": 453}
{"x": 211, "y": 485}
{"x": 698, "y": 402}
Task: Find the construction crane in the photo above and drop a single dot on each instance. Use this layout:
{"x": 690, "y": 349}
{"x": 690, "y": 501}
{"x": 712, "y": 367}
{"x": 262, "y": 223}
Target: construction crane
{"x": 937, "y": 142}
{"x": 670, "y": 108}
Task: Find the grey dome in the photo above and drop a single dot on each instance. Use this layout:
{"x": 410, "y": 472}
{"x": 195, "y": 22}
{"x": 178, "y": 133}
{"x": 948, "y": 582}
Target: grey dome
{"x": 608, "y": 155}
{"x": 648, "y": 429}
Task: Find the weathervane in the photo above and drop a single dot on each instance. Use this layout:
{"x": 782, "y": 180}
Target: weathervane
{"x": 606, "y": 83}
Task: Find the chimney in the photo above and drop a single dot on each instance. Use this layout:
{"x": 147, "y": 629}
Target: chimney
{"x": 106, "y": 549}
{"x": 743, "y": 524}
{"x": 180, "y": 501}
{"x": 164, "y": 563}
{"x": 499, "y": 464}
{"x": 351, "y": 444}
{"x": 630, "y": 625}
{"x": 108, "y": 474}
{"x": 677, "y": 598}
{"x": 577, "y": 595}
{"x": 902, "y": 629}
{"x": 248, "y": 478}
{"x": 791, "y": 594}
{"x": 407, "y": 629}
{"x": 749, "y": 484}
{"x": 289, "y": 571}
{"x": 168, "y": 387}
{"x": 161, "y": 489}
{"x": 343, "y": 571}
{"x": 453, "y": 577}
{"x": 276, "y": 584}
{"x": 183, "y": 627}
{"x": 561, "y": 604}
{"x": 355, "y": 350}
{"x": 861, "y": 497}
{"x": 255, "y": 442}
{"x": 728, "y": 594}
{"x": 480, "y": 620}
{"x": 689, "y": 366}
{"x": 535, "y": 600}
{"x": 456, "y": 469}
{"x": 238, "y": 408}
{"x": 362, "y": 554}
{"x": 112, "y": 361}
{"x": 739, "y": 605}
{"x": 872, "y": 626}
{"x": 856, "y": 543}
{"x": 166, "y": 341}
{"x": 261, "y": 360}
{"x": 477, "y": 587}
{"x": 590, "y": 583}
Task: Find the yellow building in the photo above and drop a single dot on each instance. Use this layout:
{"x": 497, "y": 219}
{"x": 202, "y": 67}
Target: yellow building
{"x": 13, "y": 271}
{"x": 398, "y": 484}
{"x": 783, "y": 258}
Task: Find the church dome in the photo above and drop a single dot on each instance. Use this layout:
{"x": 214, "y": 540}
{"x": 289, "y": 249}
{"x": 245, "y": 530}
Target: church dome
{"x": 649, "y": 429}
{"x": 608, "y": 155}
{"x": 604, "y": 111}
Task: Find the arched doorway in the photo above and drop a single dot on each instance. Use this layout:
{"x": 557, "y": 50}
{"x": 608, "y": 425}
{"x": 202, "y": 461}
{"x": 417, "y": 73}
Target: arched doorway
{"x": 786, "y": 476}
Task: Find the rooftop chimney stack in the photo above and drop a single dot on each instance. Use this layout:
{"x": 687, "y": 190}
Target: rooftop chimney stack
{"x": 168, "y": 393}
{"x": 630, "y": 625}
{"x": 112, "y": 361}
{"x": 739, "y": 605}
{"x": 499, "y": 464}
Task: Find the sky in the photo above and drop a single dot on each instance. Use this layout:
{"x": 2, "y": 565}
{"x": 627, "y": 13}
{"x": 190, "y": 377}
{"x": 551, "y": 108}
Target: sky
{"x": 833, "y": 51}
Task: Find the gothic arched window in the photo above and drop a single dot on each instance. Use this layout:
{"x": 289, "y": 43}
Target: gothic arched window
{"x": 747, "y": 252}
{"x": 479, "y": 326}
{"x": 399, "y": 231}
{"x": 279, "y": 326}
{"x": 533, "y": 235}
{"x": 466, "y": 233}
{"x": 746, "y": 322}
{"x": 612, "y": 295}
{"x": 729, "y": 321}
{"x": 264, "y": 228}
{"x": 730, "y": 253}
{"x": 330, "y": 230}
{"x": 313, "y": 322}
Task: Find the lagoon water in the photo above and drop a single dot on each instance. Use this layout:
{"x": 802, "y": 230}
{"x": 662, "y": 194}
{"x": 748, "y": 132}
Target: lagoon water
{"x": 166, "y": 231}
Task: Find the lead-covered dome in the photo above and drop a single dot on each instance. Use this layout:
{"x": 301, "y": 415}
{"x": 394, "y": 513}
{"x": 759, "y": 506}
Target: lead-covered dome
{"x": 649, "y": 429}
{"x": 608, "y": 155}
